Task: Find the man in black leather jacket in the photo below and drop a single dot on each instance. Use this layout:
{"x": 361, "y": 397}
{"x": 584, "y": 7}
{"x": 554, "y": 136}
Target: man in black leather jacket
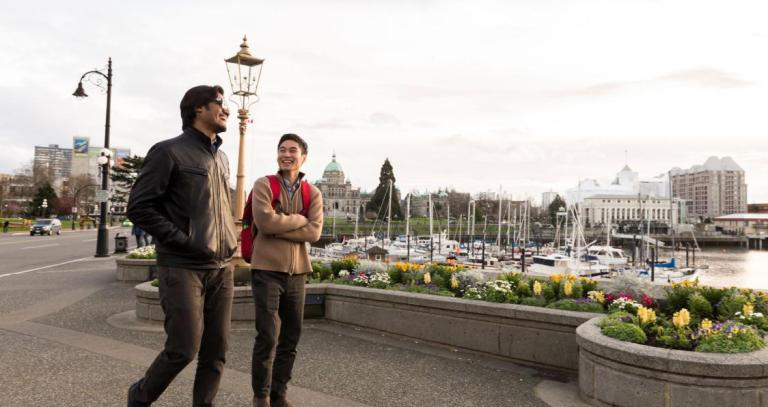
{"x": 181, "y": 198}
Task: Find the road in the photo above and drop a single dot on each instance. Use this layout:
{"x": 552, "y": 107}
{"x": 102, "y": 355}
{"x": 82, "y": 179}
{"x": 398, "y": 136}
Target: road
{"x": 22, "y": 253}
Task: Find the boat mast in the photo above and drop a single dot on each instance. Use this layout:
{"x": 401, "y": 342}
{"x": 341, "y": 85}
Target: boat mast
{"x": 498, "y": 232}
{"x": 389, "y": 210}
{"x": 408, "y": 217}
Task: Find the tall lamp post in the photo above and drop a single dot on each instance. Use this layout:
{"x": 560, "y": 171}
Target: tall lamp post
{"x": 102, "y": 239}
{"x": 244, "y": 72}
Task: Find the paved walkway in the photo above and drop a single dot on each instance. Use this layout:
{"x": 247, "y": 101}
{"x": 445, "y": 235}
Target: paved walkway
{"x": 83, "y": 346}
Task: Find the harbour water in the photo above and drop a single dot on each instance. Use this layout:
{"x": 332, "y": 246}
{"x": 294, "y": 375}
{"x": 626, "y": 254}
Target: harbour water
{"x": 730, "y": 267}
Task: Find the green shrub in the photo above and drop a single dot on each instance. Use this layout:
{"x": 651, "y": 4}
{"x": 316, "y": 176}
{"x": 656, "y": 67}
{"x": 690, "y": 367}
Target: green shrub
{"x": 616, "y": 318}
{"x": 395, "y": 275}
{"x": 713, "y": 295}
{"x": 155, "y": 282}
{"x": 344, "y": 264}
{"x": 440, "y": 281}
{"x": 675, "y": 338}
{"x": 699, "y": 306}
{"x": 534, "y": 301}
{"x": 746, "y": 340}
{"x": 548, "y": 291}
{"x": 514, "y": 278}
{"x": 574, "y": 305}
{"x": 730, "y": 305}
{"x": 677, "y": 298}
{"x": 625, "y": 332}
{"x": 320, "y": 271}
{"x": 524, "y": 290}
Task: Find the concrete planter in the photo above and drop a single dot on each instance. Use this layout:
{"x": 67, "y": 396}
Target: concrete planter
{"x": 135, "y": 270}
{"x": 148, "y": 303}
{"x": 616, "y": 373}
{"x": 532, "y": 335}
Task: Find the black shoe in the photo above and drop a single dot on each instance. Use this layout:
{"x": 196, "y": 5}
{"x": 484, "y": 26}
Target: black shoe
{"x": 133, "y": 403}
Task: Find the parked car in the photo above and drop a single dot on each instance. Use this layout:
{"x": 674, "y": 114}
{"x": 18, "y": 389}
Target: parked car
{"x": 127, "y": 223}
{"x": 45, "y": 227}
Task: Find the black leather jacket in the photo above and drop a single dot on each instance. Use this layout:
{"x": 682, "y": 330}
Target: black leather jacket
{"x": 181, "y": 197}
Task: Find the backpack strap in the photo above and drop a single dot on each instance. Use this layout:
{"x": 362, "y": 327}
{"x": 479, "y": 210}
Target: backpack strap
{"x": 305, "y": 195}
{"x": 274, "y": 185}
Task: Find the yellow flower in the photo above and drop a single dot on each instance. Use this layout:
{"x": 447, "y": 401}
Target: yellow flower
{"x": 427, "y": 278}
{"x": 599, "y": 297}
{"x": 536, "y": 288}
{"x": 706, "y": 326}
{"x": 748, "y": 309}
{"x": 571, "y": 278}
{"x": 681, "y": 318}
{"x": 454, "y": 282}
{"x": 556, "y": 277}
{"x": 568, "y": 289}
{"x": 646, "y": 315}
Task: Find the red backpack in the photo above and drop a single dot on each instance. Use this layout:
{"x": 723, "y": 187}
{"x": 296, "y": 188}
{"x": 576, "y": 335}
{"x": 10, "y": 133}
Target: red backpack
{"x": 249, "y": 231}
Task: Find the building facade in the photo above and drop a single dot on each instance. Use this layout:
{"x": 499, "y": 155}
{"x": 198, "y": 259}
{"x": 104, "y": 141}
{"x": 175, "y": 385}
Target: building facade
{"x": 626, "y": 182}
{"x": 617, "y": 209}
{"x": 53, "y": 163}
{"x": 340, "y": 199}
{"x": 757, "y": 208}
{"x": 714, "y": 189}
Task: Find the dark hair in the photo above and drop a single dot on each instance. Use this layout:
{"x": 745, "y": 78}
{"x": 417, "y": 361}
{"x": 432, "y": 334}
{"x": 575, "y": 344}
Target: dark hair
{"x": 194, "y": 98}
{"x": 297, "y": 139}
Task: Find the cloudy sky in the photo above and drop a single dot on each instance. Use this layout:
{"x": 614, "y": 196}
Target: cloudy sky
{"x": 526, "y": 95}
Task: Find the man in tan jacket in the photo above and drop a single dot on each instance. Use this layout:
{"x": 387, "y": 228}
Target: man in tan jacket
{"x": 279, "y": 268}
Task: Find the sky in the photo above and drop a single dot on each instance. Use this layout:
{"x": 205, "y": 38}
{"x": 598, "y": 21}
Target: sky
{"x": 525, "y": 96}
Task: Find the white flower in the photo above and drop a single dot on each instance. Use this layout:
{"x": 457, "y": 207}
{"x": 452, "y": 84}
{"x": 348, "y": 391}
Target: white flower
{"x": 343, "y": 273}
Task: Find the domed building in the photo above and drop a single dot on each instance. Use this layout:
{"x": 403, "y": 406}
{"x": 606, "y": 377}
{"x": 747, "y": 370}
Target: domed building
{"x": 339, "y": 197}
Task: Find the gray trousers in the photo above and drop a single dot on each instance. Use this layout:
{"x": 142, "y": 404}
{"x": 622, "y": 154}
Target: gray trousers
{"x": 198, "y": 309}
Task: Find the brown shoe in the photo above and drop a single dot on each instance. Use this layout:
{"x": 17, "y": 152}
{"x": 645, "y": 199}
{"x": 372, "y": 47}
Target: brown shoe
{"x": 257, "y": 402}
{"x": 282, "y": 402}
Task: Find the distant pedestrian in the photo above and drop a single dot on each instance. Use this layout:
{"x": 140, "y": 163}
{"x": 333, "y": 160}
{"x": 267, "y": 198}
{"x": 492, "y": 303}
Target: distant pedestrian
{"x": 6, "y": 225}
{"x": 141, "y": 236}
{"x": 181, "y": 197}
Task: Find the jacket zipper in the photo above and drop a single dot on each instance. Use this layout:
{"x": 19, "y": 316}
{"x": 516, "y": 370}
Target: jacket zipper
{"x": 217, "y": 206}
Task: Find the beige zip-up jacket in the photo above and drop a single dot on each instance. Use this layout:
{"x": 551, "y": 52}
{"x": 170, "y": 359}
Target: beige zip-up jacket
{"x": 280, "y": 242}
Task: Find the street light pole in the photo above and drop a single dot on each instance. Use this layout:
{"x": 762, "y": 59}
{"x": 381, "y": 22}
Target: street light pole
{"x": 102, "y": 239}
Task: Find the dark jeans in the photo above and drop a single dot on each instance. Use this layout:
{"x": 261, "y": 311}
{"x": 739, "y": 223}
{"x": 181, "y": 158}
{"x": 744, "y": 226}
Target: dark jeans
{"x": 198, "y": 309}
{"x": 279, "y": 301}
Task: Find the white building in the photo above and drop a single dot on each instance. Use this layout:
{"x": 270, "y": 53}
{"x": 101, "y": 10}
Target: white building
{"x": 626, "y": 183}
{"x": 616, "y": 209}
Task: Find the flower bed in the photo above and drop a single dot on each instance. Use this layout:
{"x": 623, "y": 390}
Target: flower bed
{"x": 559, "y": 292}
{"x": 139, "y": 265}
{"x": 701, "y": 346}
{"x": 702, "y": 319}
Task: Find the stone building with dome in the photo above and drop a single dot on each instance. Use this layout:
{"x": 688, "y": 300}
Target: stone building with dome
{"x": 338, "y": 192}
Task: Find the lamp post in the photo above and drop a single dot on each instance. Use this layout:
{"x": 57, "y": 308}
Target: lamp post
{"x": 244, "y": 72}
{"x": 102, "y": 238}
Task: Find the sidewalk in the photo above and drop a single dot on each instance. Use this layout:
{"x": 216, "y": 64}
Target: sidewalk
{"x": 82, "y": 347}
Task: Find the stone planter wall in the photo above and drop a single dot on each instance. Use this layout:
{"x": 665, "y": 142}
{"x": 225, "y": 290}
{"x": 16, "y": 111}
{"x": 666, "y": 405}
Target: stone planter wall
{"x": 148, "y": 303}
{"x": 532, "y": 335}
{"x": 616, "y": 373}
{"x": 135, "y": 270}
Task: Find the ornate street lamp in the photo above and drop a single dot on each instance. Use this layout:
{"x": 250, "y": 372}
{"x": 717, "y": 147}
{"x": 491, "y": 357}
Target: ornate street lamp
{"x": 102, "y": 239}
{"x": 244, "y": 72}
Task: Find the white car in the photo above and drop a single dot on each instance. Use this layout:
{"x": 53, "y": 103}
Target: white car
{"x": 45, "y": 227}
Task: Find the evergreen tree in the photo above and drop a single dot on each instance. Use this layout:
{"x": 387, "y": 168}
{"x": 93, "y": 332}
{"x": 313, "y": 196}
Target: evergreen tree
{"x": 553, "y": 207}
{"x": 45, "y": 191}
{"x": 124, "y": 176}
{"x": 380, "y": 200}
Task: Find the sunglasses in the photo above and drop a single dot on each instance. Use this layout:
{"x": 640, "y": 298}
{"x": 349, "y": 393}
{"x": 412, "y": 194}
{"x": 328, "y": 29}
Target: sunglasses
{"x": 219, "y": 102}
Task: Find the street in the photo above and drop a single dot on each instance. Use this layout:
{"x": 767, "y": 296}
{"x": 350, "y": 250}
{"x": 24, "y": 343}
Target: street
{"x": 23, "y": 253}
